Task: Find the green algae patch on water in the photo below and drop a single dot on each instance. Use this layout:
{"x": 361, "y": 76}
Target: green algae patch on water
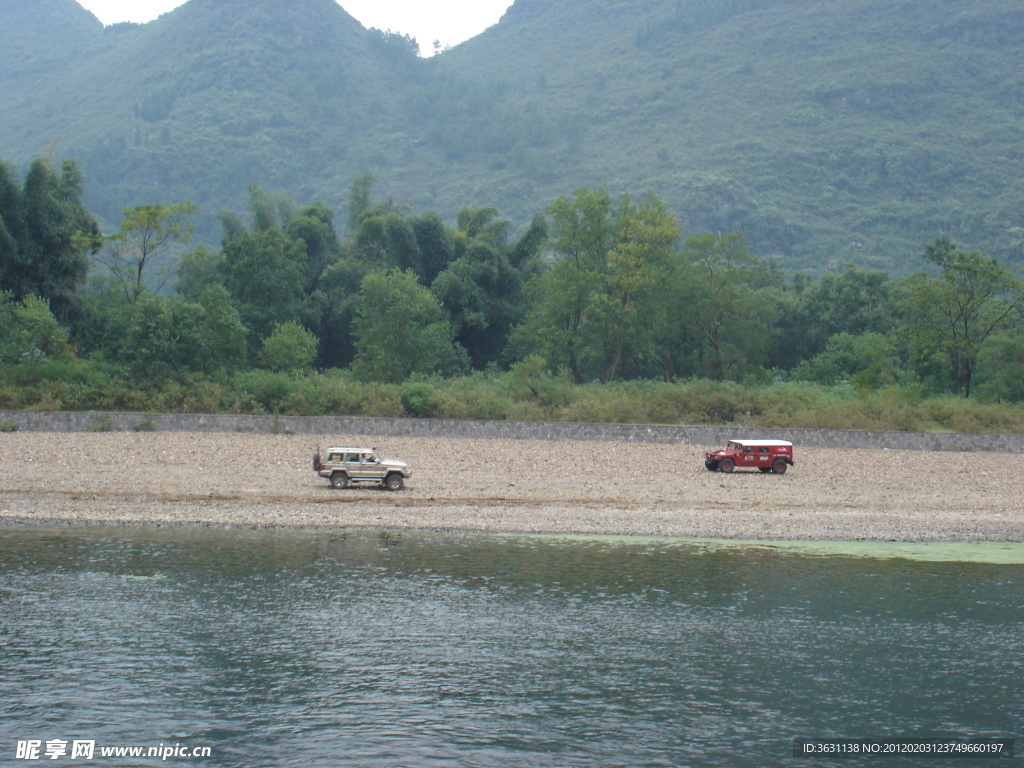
{"x": 995, "y": 552}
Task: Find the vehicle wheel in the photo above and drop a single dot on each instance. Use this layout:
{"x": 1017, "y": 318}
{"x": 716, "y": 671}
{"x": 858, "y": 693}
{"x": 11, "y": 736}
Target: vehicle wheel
{"x": 766, "y": 470}
{"x": 712, "y": 466}
{"x": 779, "y": 467}
{"x": 394, "y": 482}
{"x": 339, "y": 480}
{"x": 726, "y": 465}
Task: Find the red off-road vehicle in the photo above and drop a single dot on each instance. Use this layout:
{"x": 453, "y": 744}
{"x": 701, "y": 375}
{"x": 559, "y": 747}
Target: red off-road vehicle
{"x": 767, "y": 455}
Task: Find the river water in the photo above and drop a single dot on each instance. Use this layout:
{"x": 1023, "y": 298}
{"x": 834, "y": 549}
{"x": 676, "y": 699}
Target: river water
{"x": 415, "y": 650}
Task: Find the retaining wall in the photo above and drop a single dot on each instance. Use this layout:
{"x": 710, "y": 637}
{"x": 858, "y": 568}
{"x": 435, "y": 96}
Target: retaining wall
{"x": 39, "y": 421}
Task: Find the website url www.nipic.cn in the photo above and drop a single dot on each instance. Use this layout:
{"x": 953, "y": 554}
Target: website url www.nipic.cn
{"x": 83, "y": 749}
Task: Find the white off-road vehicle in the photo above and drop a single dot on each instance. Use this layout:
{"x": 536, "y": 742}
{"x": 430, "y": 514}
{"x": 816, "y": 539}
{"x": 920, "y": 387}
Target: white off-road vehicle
{"x": 346, "y": 466}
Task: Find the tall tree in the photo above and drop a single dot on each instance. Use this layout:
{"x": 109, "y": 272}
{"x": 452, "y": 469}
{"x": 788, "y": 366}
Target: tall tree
{"x": 265, "y": 273}
{"x": 314, "y": 226}
{"x": 401, "y": 329}
{"x": 436, "y": 246}
{"x": 148, "y": 234}
{"x": 635, "y": 266}
{"x": 360, "y": 200}
{"x": 593, "y": 308}
{"x": 583, "y": 233}
{"x": 42, "y": 252}
{"x": 954, "y": 313}
{"x": 732, "y": 317}
{"x": 482, "y": 289}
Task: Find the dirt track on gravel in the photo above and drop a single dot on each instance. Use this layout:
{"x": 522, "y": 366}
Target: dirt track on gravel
{"x": 520, "y": 486}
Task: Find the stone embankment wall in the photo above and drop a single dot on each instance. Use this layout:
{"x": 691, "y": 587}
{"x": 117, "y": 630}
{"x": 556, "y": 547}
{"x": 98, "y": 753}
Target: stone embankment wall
{"x": 328, "y": 426}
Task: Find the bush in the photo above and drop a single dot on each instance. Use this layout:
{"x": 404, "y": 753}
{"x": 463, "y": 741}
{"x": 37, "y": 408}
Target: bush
{"x": 268, "y": 389}
{"x": 419, "y": 399}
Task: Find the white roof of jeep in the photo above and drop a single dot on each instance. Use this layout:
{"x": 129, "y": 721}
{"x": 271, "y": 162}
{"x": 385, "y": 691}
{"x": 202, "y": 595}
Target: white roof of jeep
{"x": 351, "y": 450}
{"x": 765, "y": 443}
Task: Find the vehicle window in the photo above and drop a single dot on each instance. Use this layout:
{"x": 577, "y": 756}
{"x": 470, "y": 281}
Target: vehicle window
{"x": 334, "y": 457}
{"x": 764, "y": 450}
{"x": 352, "y": 458}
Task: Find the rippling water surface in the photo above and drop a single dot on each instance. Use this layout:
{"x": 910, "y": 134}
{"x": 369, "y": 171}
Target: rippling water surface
{"x": 413, "y": 649}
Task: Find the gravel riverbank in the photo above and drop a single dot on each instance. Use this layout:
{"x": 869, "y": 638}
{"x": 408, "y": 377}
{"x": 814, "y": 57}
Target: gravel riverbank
{"x": 516, "y": 486}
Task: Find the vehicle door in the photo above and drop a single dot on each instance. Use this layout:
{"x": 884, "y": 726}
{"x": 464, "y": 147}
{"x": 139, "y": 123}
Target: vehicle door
{"x": 353, "y": 465}
{"x": 370, "y": 467}
{"x": 764, "y": 456}
{"x": 747, "y": 456}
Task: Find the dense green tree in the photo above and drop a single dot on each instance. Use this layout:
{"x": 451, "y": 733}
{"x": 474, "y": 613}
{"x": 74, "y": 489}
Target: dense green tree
{"x": 525, "y": 252}
{"x": 158, "y": 336}
{"x": 436, "y": 246}
{"x": 340, "y": 284}
{"x": 481, "y": 289}
{"x": 483, "y": 225}
{"x": 13, "y": 230}
{"x": 734, "y": 319}
{"x": 223, "y": 344}
{"x": 198, "y": 270}
{"x": 290, "y": 348}
{"x": 401, "y": 329}
{"x": 583, "y": 234}
{"x": 42, "y": 336}
{"x": 263, "y": 209}
{"x": 481, "y": 294}
{"x": 104, "y": 319}
{"x": 44, "y": 235}
{"x": 401, "y": 245}
{"x": 360, "y": 200}
{"x": 1000, "y": 375}
{"x": 853, "y": 301}
{"x": 675, "y": 344}
{"x": 8, "y": 327}
{"x": 866, "y": 361}
{"x": 626, "y": 305}
{"x": 387, "y": 239}
{"x": 265, "y": 272}
{"x": 150, "y": 345}
{"x": 595, "y": 307}
{"x": 953, "y": 314}
{"x": 274, "y": 271}
{"x": 314, "y": 226}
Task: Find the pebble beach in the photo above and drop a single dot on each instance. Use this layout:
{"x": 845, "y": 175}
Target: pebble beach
{"x": 510, "y": 486}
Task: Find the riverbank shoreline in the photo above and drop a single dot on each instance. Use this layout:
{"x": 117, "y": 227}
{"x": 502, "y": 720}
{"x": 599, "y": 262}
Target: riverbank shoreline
{"x": 557, "y": 487}
{"x": 388, "y": 427}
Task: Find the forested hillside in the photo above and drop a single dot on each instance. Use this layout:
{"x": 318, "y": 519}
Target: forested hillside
{"x": 827, "y": 131}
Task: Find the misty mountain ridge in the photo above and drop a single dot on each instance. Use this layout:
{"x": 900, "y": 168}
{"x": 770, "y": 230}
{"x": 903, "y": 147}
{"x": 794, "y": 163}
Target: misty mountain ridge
{"x": 829, "y": 131}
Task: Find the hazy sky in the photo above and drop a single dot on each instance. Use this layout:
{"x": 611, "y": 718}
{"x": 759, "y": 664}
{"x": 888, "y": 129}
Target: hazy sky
{"x": 450, "y": 21}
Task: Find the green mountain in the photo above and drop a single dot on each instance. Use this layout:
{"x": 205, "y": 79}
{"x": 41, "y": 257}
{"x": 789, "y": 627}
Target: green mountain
{"x": 827, "y": 130}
